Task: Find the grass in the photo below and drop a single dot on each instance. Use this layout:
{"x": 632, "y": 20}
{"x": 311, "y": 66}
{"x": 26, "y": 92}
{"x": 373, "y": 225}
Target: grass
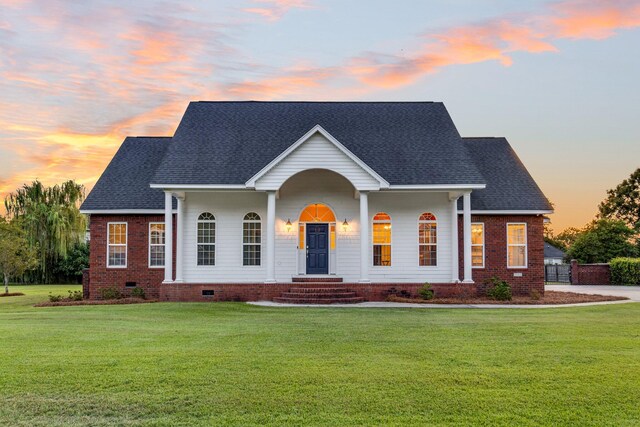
{"x": 230, "y": 363}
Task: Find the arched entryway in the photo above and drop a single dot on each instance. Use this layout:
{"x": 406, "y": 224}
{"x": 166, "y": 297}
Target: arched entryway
{"x": 317, "y": 240}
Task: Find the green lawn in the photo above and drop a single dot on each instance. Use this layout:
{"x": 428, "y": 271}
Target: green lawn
{"x": 230, "y": 363}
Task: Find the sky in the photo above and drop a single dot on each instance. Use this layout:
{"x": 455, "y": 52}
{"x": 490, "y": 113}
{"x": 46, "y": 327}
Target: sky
{"x": 559, "y": 79}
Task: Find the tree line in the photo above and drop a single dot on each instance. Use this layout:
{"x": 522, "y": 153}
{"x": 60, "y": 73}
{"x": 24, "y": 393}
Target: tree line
{"x": 42, "y": 235}
{"x": 614, "y": 232}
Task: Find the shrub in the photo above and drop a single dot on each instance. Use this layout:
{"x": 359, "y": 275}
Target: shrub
{"x": 110, "y": 293}
{"x": 500, "y": 291}
{"x": 535, "y": 295}
{"x": 425, "y": 291}
{"x": 55, "y": 298}
{"x": 75, "y": 295}
{"x": 625, "y": 271}
{"x": 137, "y": 293}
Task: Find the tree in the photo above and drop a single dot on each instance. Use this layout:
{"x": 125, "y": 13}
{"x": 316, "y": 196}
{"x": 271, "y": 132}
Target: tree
{"x": 70, "y": 268}
{"x": 623, "y": 202}
{"x": 564, "y": 239}
{"x": 601, "y": 241}
{"x": 16, "y": 256}
{"x": 51, "y": 219}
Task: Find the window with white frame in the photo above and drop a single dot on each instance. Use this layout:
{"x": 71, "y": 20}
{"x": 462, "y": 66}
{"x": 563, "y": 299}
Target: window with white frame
{"x": 117, "y": 244}
{"x": 382, "y": 239}
{"x": 251, "y": 239}
{"x": 477, "y": 245}
{"x": 156, "y": 244}
{"x": 427, "y": 240}
{"x": 517, "y": 245}
{"x": 206, "y": 239}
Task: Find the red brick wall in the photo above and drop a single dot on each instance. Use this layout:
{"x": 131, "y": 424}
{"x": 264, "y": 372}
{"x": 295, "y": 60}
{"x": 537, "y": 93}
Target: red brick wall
{"x": 495, "y": 262}
{"x": 590, "y": 274}
{"x": 268, "y": 291}
{"x": 137, "y": 256}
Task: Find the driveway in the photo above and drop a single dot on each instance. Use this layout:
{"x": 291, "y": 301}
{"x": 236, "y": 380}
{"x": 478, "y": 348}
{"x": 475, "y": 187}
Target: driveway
{"x": 631, "y": 292}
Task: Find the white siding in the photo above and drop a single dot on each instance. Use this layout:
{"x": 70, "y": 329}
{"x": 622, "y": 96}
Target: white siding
{"x": 317, "y": 187}
{"x": 317, "y": 153}
{"x": 229, "y": 209}
{"x": 405, "y": 209}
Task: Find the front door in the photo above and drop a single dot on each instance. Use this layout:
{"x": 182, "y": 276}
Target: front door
{"x": 317, "y": 248}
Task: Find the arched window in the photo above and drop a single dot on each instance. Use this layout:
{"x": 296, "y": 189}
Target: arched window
{"x": 251, "y": 239}
{"x": 206, "y": 239}
{"x": 427, "y": 239}
{"x": 382, "y": 239}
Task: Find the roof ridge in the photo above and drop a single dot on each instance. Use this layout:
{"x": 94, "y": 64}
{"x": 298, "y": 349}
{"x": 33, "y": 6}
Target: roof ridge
{"x": 318, "y": 102}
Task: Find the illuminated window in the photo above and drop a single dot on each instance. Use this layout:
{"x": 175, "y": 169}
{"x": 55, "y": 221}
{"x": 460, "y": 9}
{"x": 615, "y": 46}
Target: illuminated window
{"x": 477, "y": 245}
{"x": 301, "y": 236}
{"x": 156, "y": 244}
{"x": 382, "y": 239}
{"x": 206, "y": 239}
{"x": 117, "y": 244}
{"x": 317, "y": 213}
{"x": 517, "y": 245}
{"x": 251, "y": 239}
{"x": 332, "y": 238}
{"x": 427, "y": 240}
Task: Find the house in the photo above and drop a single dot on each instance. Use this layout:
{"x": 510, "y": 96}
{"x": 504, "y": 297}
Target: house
{"x": 553, "y": 254}
{"x": 250, "y": 199}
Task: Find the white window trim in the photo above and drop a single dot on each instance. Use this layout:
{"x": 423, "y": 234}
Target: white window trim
{"x": 164, "y": 245}
{"x": 243, "y": 244}
{"x": 481, "y": 245}
{"x": 215, "y": 237}
{"x": 373, "y": 244}
{"x": 428, "y": 244}
{"x": 126, "y": 245}
{"x": 526, "y": 247}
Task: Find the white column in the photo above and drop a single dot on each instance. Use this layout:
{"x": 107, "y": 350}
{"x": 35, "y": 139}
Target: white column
{"x": 364, "y": 237}
{"x": 466, "y": 220}
{"x": 168, "y": 237}
{"x": 179, "y": 238}
{"x": 271, "y": 237}
{"x": 455, "y": 272}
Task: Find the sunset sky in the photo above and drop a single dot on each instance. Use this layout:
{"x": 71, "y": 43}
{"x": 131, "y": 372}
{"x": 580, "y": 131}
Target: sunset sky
{"x": 559, "y": 79}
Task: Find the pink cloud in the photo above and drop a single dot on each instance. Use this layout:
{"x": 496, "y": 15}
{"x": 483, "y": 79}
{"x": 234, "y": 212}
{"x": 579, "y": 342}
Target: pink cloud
{"x": 275, "y": 9}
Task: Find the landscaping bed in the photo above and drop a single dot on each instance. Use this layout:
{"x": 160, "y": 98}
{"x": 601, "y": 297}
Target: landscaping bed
{"x": 95, "y": 302}
{"x": 550, "y": 297}
{"x": 11, "y": 294}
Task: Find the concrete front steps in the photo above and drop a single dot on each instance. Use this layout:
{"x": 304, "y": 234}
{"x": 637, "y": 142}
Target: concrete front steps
{"x": 320, "y": 293}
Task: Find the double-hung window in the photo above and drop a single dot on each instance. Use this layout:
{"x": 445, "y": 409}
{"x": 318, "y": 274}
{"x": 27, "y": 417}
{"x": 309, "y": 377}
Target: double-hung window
{"x": 117, "y": 244}
{"x": 427, "y": 240}
{"x": 382, "y": 239}
{"x": 156, "y": 244}
{"x": 251, "y": 239}
{"x": 477, "y": 245}
{"x": 517, "y": 245}
{"x": 206, "y": 239}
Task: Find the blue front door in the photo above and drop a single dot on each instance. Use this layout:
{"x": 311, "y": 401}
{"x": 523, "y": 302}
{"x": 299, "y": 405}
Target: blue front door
{"x": 317, "y": 248}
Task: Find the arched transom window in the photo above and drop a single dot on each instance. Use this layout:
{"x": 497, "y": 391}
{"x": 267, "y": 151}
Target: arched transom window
{"x": 206, "y": 239}
{"x": 382, "y": 239}
{"x": 251, "y": 239}
{"x": 427, "y": 239}
{"x": 317, "y": 212}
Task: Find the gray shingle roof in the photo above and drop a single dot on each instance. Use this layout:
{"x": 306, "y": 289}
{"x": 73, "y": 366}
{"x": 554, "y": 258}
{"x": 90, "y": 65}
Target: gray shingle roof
{"x": 228, "y": 142}
{"x": 404, "y": 142}
{"x": 551, "y": 251}
{"x": 509, "y": 184}
{"x": 124, "y": 184}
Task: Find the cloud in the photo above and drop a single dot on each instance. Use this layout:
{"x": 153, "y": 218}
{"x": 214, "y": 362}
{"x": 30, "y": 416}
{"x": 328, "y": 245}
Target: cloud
{"x": 598, "y": 19}
{"x": 273, "y": 10}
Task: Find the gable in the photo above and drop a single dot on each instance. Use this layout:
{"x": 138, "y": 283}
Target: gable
{"x": 317, "y": 150}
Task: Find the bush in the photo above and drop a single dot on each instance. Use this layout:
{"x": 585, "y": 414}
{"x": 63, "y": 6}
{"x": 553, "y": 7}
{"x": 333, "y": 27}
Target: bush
{"x": 75, "y": 295}
{"x": 500, "y": 291}
{"x": 137, "y": 293}
{"x": 110, "y": 293}
{"x": 535, "y": 295}
{"x": 625, "y": 271}
{"x": 425, "y": 291}
{"x": 55, "y": 298}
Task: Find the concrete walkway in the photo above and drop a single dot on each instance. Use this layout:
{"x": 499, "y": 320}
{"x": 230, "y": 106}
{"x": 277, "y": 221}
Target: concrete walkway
{"x": 411, "y": 305}
{"x": 631, "y": 292}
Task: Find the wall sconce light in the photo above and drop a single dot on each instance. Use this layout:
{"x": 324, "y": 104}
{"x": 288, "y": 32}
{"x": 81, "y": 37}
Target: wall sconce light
{"x": 345, "y": 225}
{"x": 288, "y": 225}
